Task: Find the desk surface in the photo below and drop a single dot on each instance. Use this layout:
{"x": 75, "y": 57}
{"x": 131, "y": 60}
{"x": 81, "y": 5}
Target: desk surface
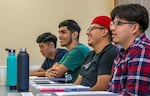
{"x": 5, "y": 91}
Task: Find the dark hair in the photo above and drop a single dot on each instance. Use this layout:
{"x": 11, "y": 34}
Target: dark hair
{"x": 133, "y": 13}
{"x": 71, "y": 25}
{"x": 46, "y": 38}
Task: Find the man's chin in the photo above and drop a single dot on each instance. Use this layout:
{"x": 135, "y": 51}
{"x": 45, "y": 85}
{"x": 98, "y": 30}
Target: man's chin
{"x": 115, "y": 42}
{"x": 89, "y": 44}
{"x": 62, "y": 45}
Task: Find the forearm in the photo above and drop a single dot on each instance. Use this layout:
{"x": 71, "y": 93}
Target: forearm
{"x": 102, "y": 83}
{"x": 60, "y": 71}
{"x": 56, "y": 72}
{"x": 41, "y": 74}
{"x": 99, "y": 88}
{"x": 78, "y": 81}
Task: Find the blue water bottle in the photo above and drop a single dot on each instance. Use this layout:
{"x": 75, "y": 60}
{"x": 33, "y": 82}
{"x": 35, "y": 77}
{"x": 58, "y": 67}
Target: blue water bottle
{"x": 11, "y": 69}
{"x": 23, "y": 71}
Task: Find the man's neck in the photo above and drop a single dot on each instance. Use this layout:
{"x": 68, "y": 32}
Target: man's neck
{"x": 72, "y": 45}
{"x": 99, "y": 47}
{"x": 53, "y": 54}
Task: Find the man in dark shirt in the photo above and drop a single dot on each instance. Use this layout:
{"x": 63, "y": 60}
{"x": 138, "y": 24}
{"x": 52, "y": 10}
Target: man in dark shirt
{"x": 96, "y": 68}
{"x": 48, "y": 43}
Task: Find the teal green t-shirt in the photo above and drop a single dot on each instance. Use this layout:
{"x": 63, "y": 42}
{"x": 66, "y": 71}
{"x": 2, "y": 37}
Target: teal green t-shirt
{"x": 73, "y": 59}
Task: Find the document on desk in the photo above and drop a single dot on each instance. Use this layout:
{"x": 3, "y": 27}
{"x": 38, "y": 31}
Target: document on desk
{"x": 45, "y": 84}
{"x": 45, "y": 80}
{"x": 34, "y": 81}
{"x": 38, "y": 78}
{"x": 87, "y": 93}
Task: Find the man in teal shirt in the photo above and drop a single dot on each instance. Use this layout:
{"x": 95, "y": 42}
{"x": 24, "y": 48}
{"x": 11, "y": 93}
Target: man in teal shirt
{"x": 69, "y": 32}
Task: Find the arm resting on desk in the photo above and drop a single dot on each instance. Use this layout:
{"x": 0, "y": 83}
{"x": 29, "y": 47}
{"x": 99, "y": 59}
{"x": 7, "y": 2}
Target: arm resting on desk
{"x": 78, "y": 81}
{"x": 39, "y": 72}
{"x": 56, "y": 72}
{"x": 102, "y": 83}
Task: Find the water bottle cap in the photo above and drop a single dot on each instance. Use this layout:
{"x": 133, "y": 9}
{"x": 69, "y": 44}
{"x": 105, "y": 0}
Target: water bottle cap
{"x": 10, "y": 50}
{"x": 22, "y": 49}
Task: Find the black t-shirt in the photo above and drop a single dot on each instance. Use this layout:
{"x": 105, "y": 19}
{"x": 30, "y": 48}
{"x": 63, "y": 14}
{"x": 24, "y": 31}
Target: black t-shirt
{"x": 97, "y": 64}
{"x": 49, "y": 62}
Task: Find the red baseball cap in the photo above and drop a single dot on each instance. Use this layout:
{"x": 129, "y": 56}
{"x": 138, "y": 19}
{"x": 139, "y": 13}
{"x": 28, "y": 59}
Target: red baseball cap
{"x": 103, "y": 21}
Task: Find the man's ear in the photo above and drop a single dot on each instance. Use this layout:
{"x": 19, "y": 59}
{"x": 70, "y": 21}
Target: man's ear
{"x": 75, "y": 35}
{"x": 105, "y": 32}
{"x": 134, "y": 28}
{"x": 51, "y": 44}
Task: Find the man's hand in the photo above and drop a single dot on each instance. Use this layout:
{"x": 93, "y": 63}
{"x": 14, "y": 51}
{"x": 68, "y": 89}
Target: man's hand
{"x": 52, "y": 72}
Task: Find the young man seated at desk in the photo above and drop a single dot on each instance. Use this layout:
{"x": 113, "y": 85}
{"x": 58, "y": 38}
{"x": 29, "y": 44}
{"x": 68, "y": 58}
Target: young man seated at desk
{"x": 69, "y": 32}
{"x": 96, "y": 68}
{"x": 48, "y": 48}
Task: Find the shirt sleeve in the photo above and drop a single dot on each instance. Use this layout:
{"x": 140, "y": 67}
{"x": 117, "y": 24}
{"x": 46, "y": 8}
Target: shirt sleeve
{"x": 73, "y": 59}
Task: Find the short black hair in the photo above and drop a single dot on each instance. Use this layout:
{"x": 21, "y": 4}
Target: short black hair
{"x": 133, "y": 13}
{"x": 46, "y": 38}
{"x": 71, "y": 25}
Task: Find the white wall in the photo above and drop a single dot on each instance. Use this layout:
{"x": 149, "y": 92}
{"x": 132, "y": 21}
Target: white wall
{"x": 21, "y": 21}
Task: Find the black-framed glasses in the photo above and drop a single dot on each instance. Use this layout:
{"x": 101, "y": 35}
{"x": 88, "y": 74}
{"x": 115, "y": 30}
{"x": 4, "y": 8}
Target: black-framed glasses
{"x": 116, "y": 23}
{"x": 93, "y": 27}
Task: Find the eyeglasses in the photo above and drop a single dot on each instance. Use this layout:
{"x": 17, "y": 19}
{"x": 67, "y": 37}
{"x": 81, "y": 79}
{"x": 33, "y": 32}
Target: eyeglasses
{"x": 116, "y": 23}
{"x": 92, "y": 28}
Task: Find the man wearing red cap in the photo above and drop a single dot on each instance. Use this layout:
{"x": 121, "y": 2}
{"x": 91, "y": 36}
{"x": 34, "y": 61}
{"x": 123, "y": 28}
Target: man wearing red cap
{"x": 96, "y": 68}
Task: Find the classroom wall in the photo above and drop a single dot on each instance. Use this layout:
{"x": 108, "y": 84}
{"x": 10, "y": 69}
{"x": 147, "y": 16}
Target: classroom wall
{"x": 21, "y": 21}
